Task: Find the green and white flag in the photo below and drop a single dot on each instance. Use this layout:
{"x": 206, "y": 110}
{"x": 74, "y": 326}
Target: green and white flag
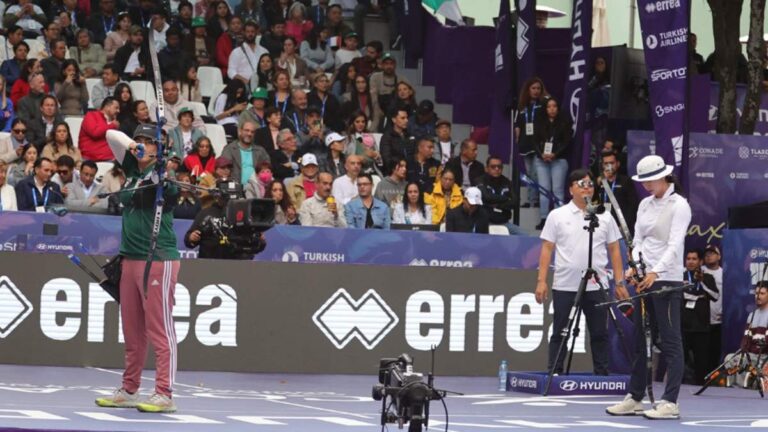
{"x": 447, "y": 8}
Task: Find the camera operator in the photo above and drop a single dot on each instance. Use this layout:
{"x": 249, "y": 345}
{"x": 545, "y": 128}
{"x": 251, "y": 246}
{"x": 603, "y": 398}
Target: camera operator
{"x": 695, "y": 315}
{"x": 753, "y": 341}
{"x": 204, "y": 233}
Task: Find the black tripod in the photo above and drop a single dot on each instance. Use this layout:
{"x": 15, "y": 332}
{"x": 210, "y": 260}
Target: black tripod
{"x": 574, "y": 316}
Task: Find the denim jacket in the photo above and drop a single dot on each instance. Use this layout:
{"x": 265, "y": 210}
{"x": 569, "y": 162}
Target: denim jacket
{"x": 356, "y": 213}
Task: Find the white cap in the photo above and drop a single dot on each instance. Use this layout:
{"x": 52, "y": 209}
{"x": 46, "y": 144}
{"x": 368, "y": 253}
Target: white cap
{"x": 332, "y": 138}
{"x": 474, "y": 196}
{"x": 652, "y": 167}
{"x": 308, "y": 159}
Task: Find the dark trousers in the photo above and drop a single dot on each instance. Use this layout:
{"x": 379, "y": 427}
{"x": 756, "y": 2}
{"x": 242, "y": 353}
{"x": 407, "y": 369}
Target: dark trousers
{"x": 697, "y": 354}
{"x": 597, "y": 324}
{"x": 715, "y": 345}
{"x": 664, "y": 313}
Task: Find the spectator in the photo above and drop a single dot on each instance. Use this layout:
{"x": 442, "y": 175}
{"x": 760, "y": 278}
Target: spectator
{"x": 36, "y": 192}
{"x": 256, "y": 113}
{"x": 40, "y": 127}
{"x": 363, "y": 143}
{"x": 712, "y": 267}
{"x": 222, "y": 171}
{"x": 11, "y": 68}
{"x": 695, "y": 315}
{"x": 230, "y": 103}
{"x": 445, "y": 147}
{"x": 623, "y": 189}
{"x": 344, "y": 81}
{"x": 7, "y": 193}
{"x": 696, "y": 61}
{"x": 124, "y": 96}
{"x": 753, "y": 340}
{"x": 285, "y": 212}
{"x": 64, "y": 173}
{"x": 199, "y": 44}
{"x": 183, "y": 137}
{"x": 470, "y": 217}
{"x": 72, "y": 10}
{"x": 259, "y": 181}
{"x": 359, "y": 99}
{"x": 20, "y": 87}
{"x": 205, "y": 9}
{"x": 183, "y": 19}
{"x": 238, "y": 151}
{"x": 60, "y": 143}
{"x": 345, "y": 186}
{"x": 369, "y": 63}
{"x": 90, "y": 56}
{"x": 53, "y": 65}
{"x": 330, "y": 109}
{"x": 383, "y": 85}
{"x": 139, "y": 116}
{"x": 410, "y": 207}
{"x": 187, "y": 206}
{"x": 390, "y": 189}
{"x": 498, "y": 195}
{"x": 84, "y": 191}
{"x": 93, "y": 132}
{"x": 26, "y": 15}
{"x": 7, "y": 113}
{"x": 244, "y": 61}
{"x": 67, "y": 30}
{"x": 12, "y": 145}
{"x": 119, "y": 36}
{"x": 311, "y": 139}
{"x": 285, "y": 159}
{"x": 316, "y": 52}
{"x": 349, "y": 50}
{"x": 265, "y": 75}
{"x": 465, "y": 165}
{"x": 335, "y": 160}
{"x": 252, "y": 10}
{"x": 266, "y": 137}
{"x": 278, "y": 9}
{"x": 70, "y": 89}
{"x": 394, "y": 141}
{"x": 114, "y": 179}
{"x": 282, "y": 92}
{"x": 302, "y": 186}
{"x": 446, "y": 194}
{"x": 25, "y": 165}
{"x": 189, "y": 84}
{"x": 159, "y": 28}
{"x": 173, "y": 59}
{"x": 423, "y": 169}
{"x": 110, "y": 78}
{"x": 296, "y": 25}
{"x": 273, "y": 40}
{"x": 384, "y": 8}
{"x": 291, "y": 62}
{"x": 405, "y": 98}
{"x": 365, "y": 211}
{"x": 218, "y": 24}
{"x": 201, "y": 160}
{"x": 322, "y": 209}
{"x": 103, "y": 22}
{"x": 173, "y": 104}
{"x": 423, "y": 122}
{"x": 132, "y": 59}
{"x": 297, "y": 115}
{"x": 553, "y": 138}
{"x": 529, "y": 109}
{"x": 28, "y": 107}
{"x": 14, "y": 35}
{"x": 334, "y": 21}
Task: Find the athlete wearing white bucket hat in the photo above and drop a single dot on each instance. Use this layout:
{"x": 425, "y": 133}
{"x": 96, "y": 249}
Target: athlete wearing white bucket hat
{"x": 652, "y": 167}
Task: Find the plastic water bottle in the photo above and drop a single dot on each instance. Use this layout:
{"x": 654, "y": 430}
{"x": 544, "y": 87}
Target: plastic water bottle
{"x": 503, "y": 376}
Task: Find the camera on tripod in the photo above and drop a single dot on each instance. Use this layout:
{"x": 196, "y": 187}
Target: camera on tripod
{"x": 404, "y": 394}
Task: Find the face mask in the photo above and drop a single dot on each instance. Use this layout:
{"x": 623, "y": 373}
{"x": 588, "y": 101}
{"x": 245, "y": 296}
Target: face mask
{"x": 265, "y": 176}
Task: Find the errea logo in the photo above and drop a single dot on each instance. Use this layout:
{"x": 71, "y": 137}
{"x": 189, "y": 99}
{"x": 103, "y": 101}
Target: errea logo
{"x": 368, "y": 319}
{"x": 14, "y": 306}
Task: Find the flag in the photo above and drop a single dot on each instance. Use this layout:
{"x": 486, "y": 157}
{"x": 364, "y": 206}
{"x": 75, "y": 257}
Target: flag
{"x": 575, "y": 94}
{"x": 504, "y": 94}
{"x": 447, "y": 8}
{"x": 525, "y": 47}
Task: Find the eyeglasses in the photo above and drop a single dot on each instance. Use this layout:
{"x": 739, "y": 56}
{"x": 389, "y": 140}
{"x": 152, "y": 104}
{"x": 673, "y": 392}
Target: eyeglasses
{"x": 19, "y": 131}
{"x": 494, "y": 166}
{"x": 585, "y": 184}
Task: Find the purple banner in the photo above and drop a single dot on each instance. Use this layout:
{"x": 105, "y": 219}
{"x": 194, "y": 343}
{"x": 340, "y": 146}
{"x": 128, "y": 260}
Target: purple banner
{"x": 723, "y": 171}
{"x": 575, "y": 94}
{"x": 526, "y": 40}
{"x": 761, "y": 125}
{"x": 412, "y": 31}
{"x": 664, "y": 25}
{"x": 505, "y": 83}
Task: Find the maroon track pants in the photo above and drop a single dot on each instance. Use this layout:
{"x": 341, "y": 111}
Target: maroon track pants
{"x": 149, "y": 319}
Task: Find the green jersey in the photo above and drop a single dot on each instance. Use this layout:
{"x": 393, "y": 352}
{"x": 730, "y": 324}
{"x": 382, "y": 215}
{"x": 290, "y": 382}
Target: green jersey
{"x": 138, "y": 220}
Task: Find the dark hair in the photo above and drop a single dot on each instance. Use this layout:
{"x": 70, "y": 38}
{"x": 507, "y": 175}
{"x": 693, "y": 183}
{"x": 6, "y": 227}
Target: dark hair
{"x": 172, "y": 31}
{"x": 465, "y": 143}
{"x": 13, "y": 28}
{"x": 699, "y": 253}
{"x": 125, "y": 107}
{"x": 185, "y": 3}
{"x": 111, "y": 67}
{"x": 26, "y": 69}
{"x": 285, "y": 202}
{"x": 15, "y": 47}
{"x": 108, "y": 100}
{"x": 673, "y": 180}
{"x": 251, "y": 23}
{"x": 277, "y": 20}
{"x": 419, "y": 202}
{"x": 262, "y": 166}
{"x": 397, "y": 110}
{"x": 376, "y": 45}
{"x": 351, "y": 122}
{"x": 135, "y": 105}
{"x": 292, "y": 39}
{"x": 525, "y": 97}
{"x": 366, "y": 175}
{"x": 395, "y": 161}
{"x": 65, "y": 160}
{"x": 269, "y": 111}
{"x": 64, "y": 65}
{"x": 265, "y": 78}
{"x": 313, "y": 38}
{"x": 609, "y": 152}
{"x": 17, "y": 121}
{"x": 46, "y": 97}
{"x": 40, "y": 161}
{"x": 90, "y": 164}
{"x": 493, "y": 157}
{"x": 577, "y": 175}
{"x": 230, "y": 91}
{"x": 54, "y": 42}
{"x": 763, "y": 284}
{"x": 196, "y": 146}
{"x": 447, "y": 170}
{"x": 52, "y": 136}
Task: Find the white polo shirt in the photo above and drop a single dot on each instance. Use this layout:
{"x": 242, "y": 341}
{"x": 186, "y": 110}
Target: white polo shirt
{"x": 565, "y": 228}
{"x": 344, "y": 189}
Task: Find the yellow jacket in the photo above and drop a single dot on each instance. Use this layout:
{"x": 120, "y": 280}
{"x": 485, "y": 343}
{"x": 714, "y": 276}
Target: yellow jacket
{"x": 436, "y": 199}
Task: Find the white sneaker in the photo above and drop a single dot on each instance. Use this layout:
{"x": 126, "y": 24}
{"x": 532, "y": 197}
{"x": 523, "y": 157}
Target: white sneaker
{"x": 120, "y": 399}
{"x": 627, "y": 407}
{"x": 663, "y": 411}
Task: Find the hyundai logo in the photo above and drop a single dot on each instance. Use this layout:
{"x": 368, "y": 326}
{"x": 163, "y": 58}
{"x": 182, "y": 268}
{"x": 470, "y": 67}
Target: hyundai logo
{"x": 569, "y": 385}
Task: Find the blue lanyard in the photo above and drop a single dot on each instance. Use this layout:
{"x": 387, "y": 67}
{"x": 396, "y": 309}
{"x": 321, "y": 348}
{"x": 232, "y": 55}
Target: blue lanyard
{"x": 533, "y": 113}
{"x": 322, "y": 110}
{"x": 45, "y": 197}
{"x": 261, "y": 120}
{"x": 285, "y": 104}
{"x": 613, "y": 189}
{"x": 107, "y": 29}
{"x": 296, "y": 122}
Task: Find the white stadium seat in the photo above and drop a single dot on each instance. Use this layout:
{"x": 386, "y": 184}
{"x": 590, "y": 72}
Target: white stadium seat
{"x": 102, "y": 168}
{"x": 498, "y": 230}
{"x": 210, "y": 79}
{"x": 89, "y": 83}
{"x": 198, "y": 108}
{"x": 74, "y": 122}
{"x": 215, "y": 132}
{"x": 144, "y": 90}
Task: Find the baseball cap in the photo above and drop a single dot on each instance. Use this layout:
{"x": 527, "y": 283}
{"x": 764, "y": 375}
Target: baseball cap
{"x": 222, "y": 162}
{"x": 332, "y": 138}
{"x": 308, "y": 159}
{"x": 474, "y": 196}
{"x": 387, "y": 57}
{"x": 712, "y": 248}
{"x": 134, "y": 29}
{"x": 146, "y": 131}
{"x": 351, "y": 35}
{"x": 442, "y": 122}
{"x": 426, "y": 106}
{"x": 198, "y": 22}
{"x": 259, "y": 93}
{"x": 185, "y": 110}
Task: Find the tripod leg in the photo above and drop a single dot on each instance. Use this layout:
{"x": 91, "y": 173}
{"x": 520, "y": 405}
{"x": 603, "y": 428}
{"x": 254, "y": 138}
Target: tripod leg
{"x": 576, "y": 331}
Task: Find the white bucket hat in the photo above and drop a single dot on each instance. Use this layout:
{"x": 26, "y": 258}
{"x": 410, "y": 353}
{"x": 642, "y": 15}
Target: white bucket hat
{"x": 652, "y": 168}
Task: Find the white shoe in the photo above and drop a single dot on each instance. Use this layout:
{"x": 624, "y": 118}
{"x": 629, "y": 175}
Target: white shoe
{"x": 627, "y": 407}
{"x": 663, "y": 411}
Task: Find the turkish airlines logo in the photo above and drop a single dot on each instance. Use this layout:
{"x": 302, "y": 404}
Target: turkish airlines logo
{"x": 14, "y": 306}
{"x": 342, "y": 319}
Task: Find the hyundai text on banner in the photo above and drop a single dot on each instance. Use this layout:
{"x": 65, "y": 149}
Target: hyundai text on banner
{"x": 575, "y": 93}
{"x": 664, "y": 25}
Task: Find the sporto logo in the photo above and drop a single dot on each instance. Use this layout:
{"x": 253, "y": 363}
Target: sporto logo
{"x": 343, "y": 318}
{"x": 14, "y": 307}
{"x": 568, "y": 385}
{"x": 665, "y": 74}
{"x": 651, "y": 42}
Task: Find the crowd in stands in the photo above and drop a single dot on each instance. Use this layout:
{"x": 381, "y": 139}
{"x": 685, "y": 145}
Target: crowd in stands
{"x": 314, "y": 116}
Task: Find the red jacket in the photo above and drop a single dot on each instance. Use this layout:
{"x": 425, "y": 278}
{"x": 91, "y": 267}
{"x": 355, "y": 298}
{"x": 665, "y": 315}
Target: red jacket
{"x": 223, "y": 50}
{"x": 195, "y": 165}
{"x": 20, "y": 89}
{"x": 93, "y": 137}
